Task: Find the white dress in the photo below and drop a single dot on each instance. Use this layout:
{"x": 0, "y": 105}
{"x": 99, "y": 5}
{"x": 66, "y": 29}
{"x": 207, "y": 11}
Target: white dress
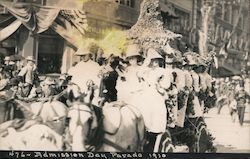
{"x": 151, "y": 103}
{"x": 130, "y": 85}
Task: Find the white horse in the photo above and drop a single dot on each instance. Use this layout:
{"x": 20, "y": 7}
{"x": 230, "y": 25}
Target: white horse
{"x": 31, "y": 136}
{"x": 119, "y": 128}
{"x": 52, "y": 113}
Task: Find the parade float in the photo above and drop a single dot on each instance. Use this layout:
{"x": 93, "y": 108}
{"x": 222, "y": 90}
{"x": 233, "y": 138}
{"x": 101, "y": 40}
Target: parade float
{"x": 150, "y": 32}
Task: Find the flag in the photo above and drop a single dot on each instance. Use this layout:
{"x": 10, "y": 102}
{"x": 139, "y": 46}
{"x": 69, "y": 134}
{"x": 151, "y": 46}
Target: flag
{"x": 36, "y": 18}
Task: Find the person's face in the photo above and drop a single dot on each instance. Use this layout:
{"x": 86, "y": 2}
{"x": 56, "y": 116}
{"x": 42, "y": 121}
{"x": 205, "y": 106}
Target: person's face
{"x": 133, "y": 61}
{"x": 155, "y": 63}
{"x": 85, "y": 58}
{"x": 31, "y": 63}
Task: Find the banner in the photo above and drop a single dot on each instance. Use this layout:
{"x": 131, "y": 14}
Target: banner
{"x": 71, "y": 24}
{"x": 36, "y": 18}
{"x": 9, "y": 30}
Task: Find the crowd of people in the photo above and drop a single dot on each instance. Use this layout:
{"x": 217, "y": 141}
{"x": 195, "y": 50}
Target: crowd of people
{"x": 233, "y": 92}
{"x": 166, "y": 86}
{"x": 21, "y": 77}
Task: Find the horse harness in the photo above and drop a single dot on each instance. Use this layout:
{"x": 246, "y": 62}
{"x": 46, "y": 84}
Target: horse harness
{"x": 96, "y": 135}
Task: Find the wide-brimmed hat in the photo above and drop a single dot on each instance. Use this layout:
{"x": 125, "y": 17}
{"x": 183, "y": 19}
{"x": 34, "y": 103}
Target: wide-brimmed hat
{"x": 153, "y": 54}
{"x": 49, "y": 81}
{"x": 133, "y": 50}
{"x": 7, "y": 58}
{"x": 191, "y": 58}
{"x": 30, "y": 58}
{"x": 82, "y": 52}
{"x": 63, "y": 77}
{"x": 12, "y": 63}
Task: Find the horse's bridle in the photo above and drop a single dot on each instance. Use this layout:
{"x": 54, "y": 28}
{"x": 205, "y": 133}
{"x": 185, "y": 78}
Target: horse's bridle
{"x": 88, "y": 110}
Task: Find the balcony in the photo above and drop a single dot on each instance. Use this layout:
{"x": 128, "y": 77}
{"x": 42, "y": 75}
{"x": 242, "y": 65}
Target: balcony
{"x": 227, "y": 25}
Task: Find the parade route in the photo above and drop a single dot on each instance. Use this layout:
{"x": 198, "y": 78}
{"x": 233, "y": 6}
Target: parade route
{"x": 230, "y": 137}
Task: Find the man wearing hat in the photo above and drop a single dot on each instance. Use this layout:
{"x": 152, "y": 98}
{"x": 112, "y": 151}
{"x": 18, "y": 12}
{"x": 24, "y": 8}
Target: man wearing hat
{"x": 8, "y": 67}
{"x": 48, "y": 87}
{"x": 28, "y": 74}
{"x": 242, "y": 97}
{"x": 86, "y": 72}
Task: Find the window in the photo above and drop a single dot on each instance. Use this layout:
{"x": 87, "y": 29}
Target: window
{"x": 32, "y": 1}
{"x": 129, "y": 3}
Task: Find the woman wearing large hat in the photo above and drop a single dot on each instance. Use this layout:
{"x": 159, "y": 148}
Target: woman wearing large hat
{"x": 151, "y": 101}
{"x": 130, "y": 81}
{"x": 194, "y": 107}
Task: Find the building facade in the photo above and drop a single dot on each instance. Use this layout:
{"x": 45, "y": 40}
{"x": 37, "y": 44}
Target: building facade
{"x": 228, "y": 28}
{"x": 54, "y": 54}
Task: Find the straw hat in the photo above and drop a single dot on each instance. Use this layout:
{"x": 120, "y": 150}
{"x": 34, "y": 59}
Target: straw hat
{"x": 30, "y": 58}
{"x": 62, "y": 77}
{"x": 82, "y": 52}
{"x": 133, "y": 50}
{"x": 7, "y": 58}
{"x": 153, "y": 54}
{"x": 49, "y": 81}
{"x": 191, "y": 58}
{"x": 12, "y": 63}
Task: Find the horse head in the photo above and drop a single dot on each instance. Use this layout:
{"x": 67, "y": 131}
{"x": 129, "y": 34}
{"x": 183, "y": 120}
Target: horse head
{"x": 74, "y": 92}
{"x": 81, "y": 118}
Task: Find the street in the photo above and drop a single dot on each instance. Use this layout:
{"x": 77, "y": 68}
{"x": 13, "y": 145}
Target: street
{"x": 230, "y": 137}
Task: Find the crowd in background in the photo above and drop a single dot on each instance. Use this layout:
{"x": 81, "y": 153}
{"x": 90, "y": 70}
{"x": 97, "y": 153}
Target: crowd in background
{"x": 234, "y": 93}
